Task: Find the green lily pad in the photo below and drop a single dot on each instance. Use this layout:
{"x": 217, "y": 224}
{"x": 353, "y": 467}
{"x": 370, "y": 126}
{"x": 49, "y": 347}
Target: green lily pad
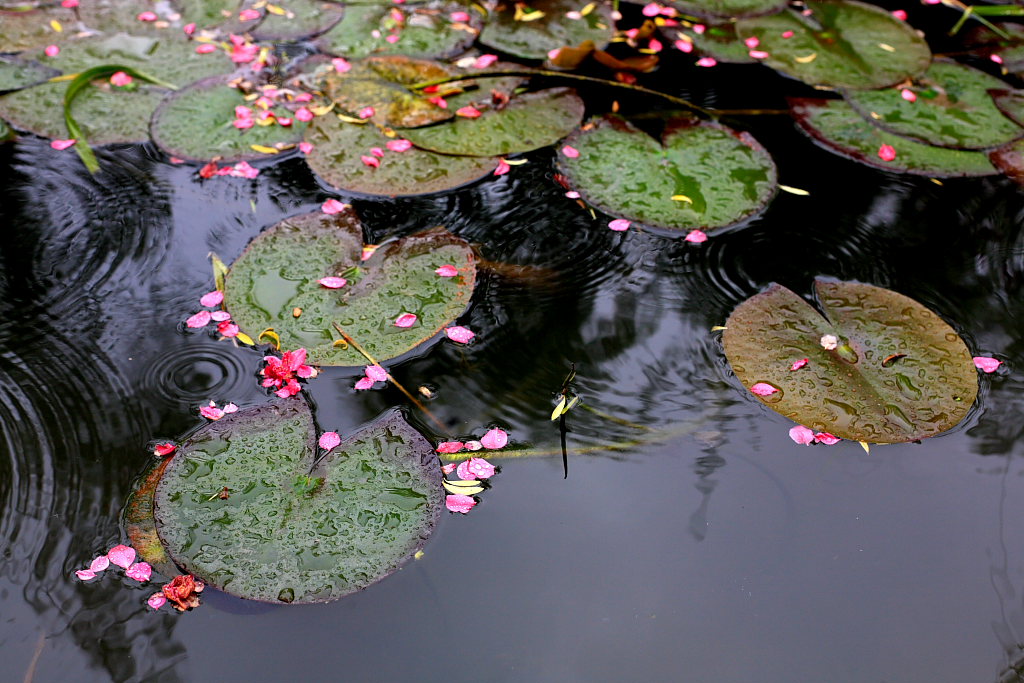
{"x": 842, "y": 44}
{"x": 280, "y": 269}
{"x": 426, "y": 31}
{"x": 293, "y": 527}
{"x": 302, "y": 19}
{"x": 718, "y": 41}
{"x": 899, "y": 373}
{"x": 382, "y": 83}
{"x": 338, "y": 148}
{"x": 726, "y": 9}
{"x": 725, "y": 176}
{"x": 535, "y": 39}
{"x": 32, "y": 29}
{"x": 953, "y": 109}
{"x": 1010, "y": 160}
{"x": 139, "y": 522}
{"x": 528, "y": 122}
{"x": 837, "y": 127}
{"x": 16, "y": 73}
{"x": 196, "y": 123}
{"x": 207, "y": 14}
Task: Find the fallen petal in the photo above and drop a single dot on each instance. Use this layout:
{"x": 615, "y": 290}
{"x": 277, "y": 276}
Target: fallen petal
{"x": 140, "y": 571}
{"x": 706, "y": 61}
{"x": 405, "y": 320}
{"x": 156, "y": 600}
{"x": 447, "y": 271}
{"x": 371, "y": 161}
{"x": 120, "y": 79}
{"x": 304, "y": 114}
{"x": 99, "y": 564}
{"x": 164, "y": 449}
{"x": 332, "y": 206}
{"x": 230, "y": 408}
{"x": 886, "y": 152}
{"x": 121, "y": 555}
{"x": 200, "y": 319}
{"x": 479, "y": 468}
{"x": 469, "y": 112}
{"x": 619, "y": 224}
{"x": 341, "y": 65}
{"x": 305, "y": 147}
{"x": 473, "y": 445}
{"x": 829, "y": 342}
{"x": 376, "y": 373}
{"x": 987, "y": 364}
{"x": 52, "y": 51}
{"x": 494, "y": 439}
{"x": 798, "y": 364}
{"x": 826, "y": 438}
{"x": 460, "y": 334}
{"x": 462, "y": 471}
{"x": 211, "y": 412}
{"x": 764, "y": 389}
{"x": 449, "y": 447}
{"x": 329, "y": 440}
{"x": 802, "y": 435}
{"x": 333, "y": 282}
{"x": 213, "y": 298}
{"x": 502, "y": 168}
{"x": 85, "y": 574}
{"x": 459, "y": 503}
{"x": 400, "y": 145}
{"x": 364, "y": 383}
{"x": 220, "y": 316}
{"x": 570, "y": 152}
{"x": 696, "y": 237}
{"x": 908, "y": 94}
{"x": 484, "y": 61}
{"x": 62, "y": 144}
{"x": 366, "y": 112}
{"x": 449, "y": 468}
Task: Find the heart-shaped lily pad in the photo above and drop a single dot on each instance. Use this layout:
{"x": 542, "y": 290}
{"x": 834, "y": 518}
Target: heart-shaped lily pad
{"x": 424, "y": 31}
{"x": 837, "y": 127}
{"x": 725, "y": 9}
{"x": 527, "y": 122}
{"x": 279, "y": 272}
{"x": 702, "y": 175}
{"x": 532, "y": 31}
{"x": 339, "y": 148}
{"x": 16, "y": 74}
{"x": 841, "y": 44}
{"x": 898, "y": 373}
{"x": 248, "y": 507}
{"x": 298, "y": 19}
{"x": 952, "y": 108}
{"x": 197, "y": 123}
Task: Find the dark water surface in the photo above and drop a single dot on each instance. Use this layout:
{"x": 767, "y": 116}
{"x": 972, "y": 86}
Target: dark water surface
{"x": 723, "y": 552}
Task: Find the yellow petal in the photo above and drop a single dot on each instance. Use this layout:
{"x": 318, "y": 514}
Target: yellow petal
{"x": 340, "y": 344}
{"x": 263, "y": 149}
{"x": 681, "y": 198}
{"x": 887, "y": 48}
{"x": 219, "y": 270}
{"x": 462, "y": 490}
{"x": 417, "y": 555}
{"x": 808, "y": 59}
{"x": 274, "y": 9}
{"x": 718, "y": 328}
{"x": 272, "y": 336}
{"x": 794, "y": 190}
{"x": 320, "y": 111}
{"x": 865, "y": 446}
{"x": 245, "y": 339}
{"x": 588, "y": 9}
{"x": 352, "y": 119}
{"x": 55, "y": 25}
{"x": 557, "y": 412}
{"x": 515, "y": 162}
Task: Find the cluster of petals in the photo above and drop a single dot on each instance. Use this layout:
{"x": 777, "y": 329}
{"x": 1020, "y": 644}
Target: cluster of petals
{"x": 281, "y": 373}
{"x": 211, "y": 412}
{"x": 804, "y": 436}
{"x": 240, "y": 170}
{"x": 371, "y": 375}
{"x": 123, "y": 556}
{"x": 242, "y": 50}
{"x": 223, "y": 319}
{"x": 493, "y": 440}
{"x": 987, "y": 364}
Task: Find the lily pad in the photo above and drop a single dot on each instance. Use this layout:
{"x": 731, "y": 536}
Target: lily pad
{"x": 425, "y": 31}
{"x": 983, "y": 42}
{"x": 280, "y": 269}
{"x": 718, "y": 41}
{"x": 16, "y": 74}
{"x": 842, "y": 44}
{"x": 899, "y": 373}
{"x": 248, "y": 507}
{"x": 528, "y": 122}
{"x": 338, "y": 148}
{"x": 139, "y": 522}
{"x": 718, "y": 176}
{"x": 953, "y": 108}
{"x": 382, "y": 84}
{"x": 300, "y": 19}
{"x": 532, "y": 31}
{"x": 1010, "y": 160}
{"x": 197, "y": 123}
{"x": 25, "y": 30}
{"x": 837, "y": 127}
{"x": 725, "y": 9}
{"x": 1010, "y": 103}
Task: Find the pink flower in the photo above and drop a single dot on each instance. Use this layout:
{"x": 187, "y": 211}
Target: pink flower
{"x": 405, "y": 320}
{"x": 986, "y": 364}
{"x": 147, "y": 16}
{"x": 120, "y": 79}
{"x": 494, "y": 439}
{"x": 341, "y": 65}
{"x": 798, "y": 364}
{"x": 400, "y": 145}
{"x": 156, "y": 600}
{"x": 213, "y": 298}
{"x": 460, "y": 334}
{"x": 206, "y": 48}
{"x": 886, "y": 153}
{"x": 373, "y": 162}
{"x": 764, "y": 389}
{"x": 329, "y": 440}
{"x": 280, "y": 373}
{"x": 164, "y": 449}
{"x": 683, "y": 46}
{"x": 469, "y": 112}
{"x": 752, "y": 42}
{"x": 459, "y": 17}
{"x": 502, "y": 168}
{"x": 802, "y": 435}
{"x": 619, "y": 224}
{"x": 121, "y": 555}
{"x": 706, "y": 61}
{"x": 475, "y": 468}
{"x": 473, "y": 445}
{"x": 366, "y": 112}
{"x": 696, "y": 237}
{"x": 459, "y": 503}
{"x": 333, "y": 282}
{"x": 220, "y": 316}
{"x": 211, "y": 412}
{"x": 449, "y": 447}
{"x": 826, "y": 438}
{"x": 189, "y": 29}
{"x": 908, "y": 94}
{"x": 570, "y": 152}
{"x": 52, "y": 51}
{"x": 332, "y": 206}
{"x": 364, "y": 383}
{"x": 200, "y": 319}
{"x": 62, "y": 144}
{"x": 305, "y": 147}
{"x": 484, "y": 61}
{"x": 900, "y": 14}
{"x": 140, "y": 571}
{"x": 249, "y": 15}
{"x": 447, "y": 271}
{"x": 304, "y": 114}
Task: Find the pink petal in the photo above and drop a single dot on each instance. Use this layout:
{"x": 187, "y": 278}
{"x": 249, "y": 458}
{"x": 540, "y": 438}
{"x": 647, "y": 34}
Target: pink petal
{"x": 405, "y": 320}
{"x": 373, "y": 162}
{"x": 572, "y": 194}
{"x": 802, "y": 435}
{"x": 230, "y": 408}
{"x": 758, "y": 54}
{"x": 243, "y": 124}
{"x": 333, "y": 282}
{"x": 147, "y": 16}
{"x": 787, "y": 34}
{"x": 121, "y": 555}
{"x": 764, "y": 389}
{"x": 189, "y": 29}
{"x": 69, "y": 3}
{"x": 908, "y": 94}
{"x": 220, "y": 316}
{"x": 156, "y": 600}
{"x": 469, "y": 112}
{"x": 459, "y": 503}
{"x": 480, "y": 468}
{"x": 462, "y": 471}
{"x": 752, "y": 42}
{"x": 211, "y": 412}
{"x": 228, "y": 329}
{"x": 164, "y": 449}
{"x": 206, "y": 48}
{"x": 52, "y": 51}
{"x": 706, "y": 61}
{"x": 364, "y": 383}
{"x": 683, "y": 46}
{"x": 368, "y": 250}
{"x": 140, "y": 571}
{"x": 651, "y": 9}
{"x": 304, "y": 114}
{"x": 332, "y": 206}
{"x": 305, "y": 147}
{"x": 699, "y": 29}
{"x": 62, "y": 144}
{"x": 473, "y": 445}
{"x": 447, "y": 271}
{"x": 99, "y": 564}
{"x": 449, "y": 468}
{"x": 654, "y": 45}
{"x": 886, "y": 153}
{"x": 120, "y": 78}
{"x": 393, "y": 38}
{"x": 798, "y": 364}
{"x": 341, "y": 65}
{"x": 85, "y": 574}
{"x": 212, "y": 298}
{"x": 494, "y": 439}
{"x": 484, "y": 61}
{"x": 449, "y": 447}
{"x": 986, "y": 364}
{"x": 366, "y": 112}
{"x": 502, "y": 168}
{"x": 619, "y": 224}
{"x": 459, "y": 17}
{"x": 400, "y": 145}
{"x": 553, "y": 54}
{"x": 460, "y": 334}
{"x": 696, "y": 237}
{"x": 996, "y": 58}
{"x": 248, "y": 15}
{"x": 376, "y": 373}
{"x": 200, "y": 319}
{"x": 377, "y": 152}
{"x": 826, "y": 438}
{"x": 329, "y": 440}
{"x": 570, "y": 152}
{"x": 900, "y": 14}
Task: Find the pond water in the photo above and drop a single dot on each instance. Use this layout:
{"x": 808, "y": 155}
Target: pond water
{"x": 697, "y": 542}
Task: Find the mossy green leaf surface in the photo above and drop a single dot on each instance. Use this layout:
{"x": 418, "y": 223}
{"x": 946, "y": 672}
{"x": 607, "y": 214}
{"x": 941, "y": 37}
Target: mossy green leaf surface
{"x": 725, "y": 9}
{"x": 725, "y": 176}
{"x": 32, "y": 29}
{"x": 196, "y": 123}
{"x": 280, "y": 269}
{"x": 719, "y": 41}
{"x": 16, "y": 74}
{"x": 424, "y": 31}
{"x": 837, "y": 127}
{"x": 953, "y": 108}
{"x": 841, "y": 44}
{"x": 899, "y": 373}
{"x": 248, "y": 507}
{"x": 534, "y": 39}
{"x": 301, "y": 19}
{"x": 382, "y": 83}
{"x": 529, "y": 121}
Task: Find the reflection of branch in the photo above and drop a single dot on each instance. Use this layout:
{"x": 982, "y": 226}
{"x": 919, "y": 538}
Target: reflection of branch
{"x": 394, "y": 381}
